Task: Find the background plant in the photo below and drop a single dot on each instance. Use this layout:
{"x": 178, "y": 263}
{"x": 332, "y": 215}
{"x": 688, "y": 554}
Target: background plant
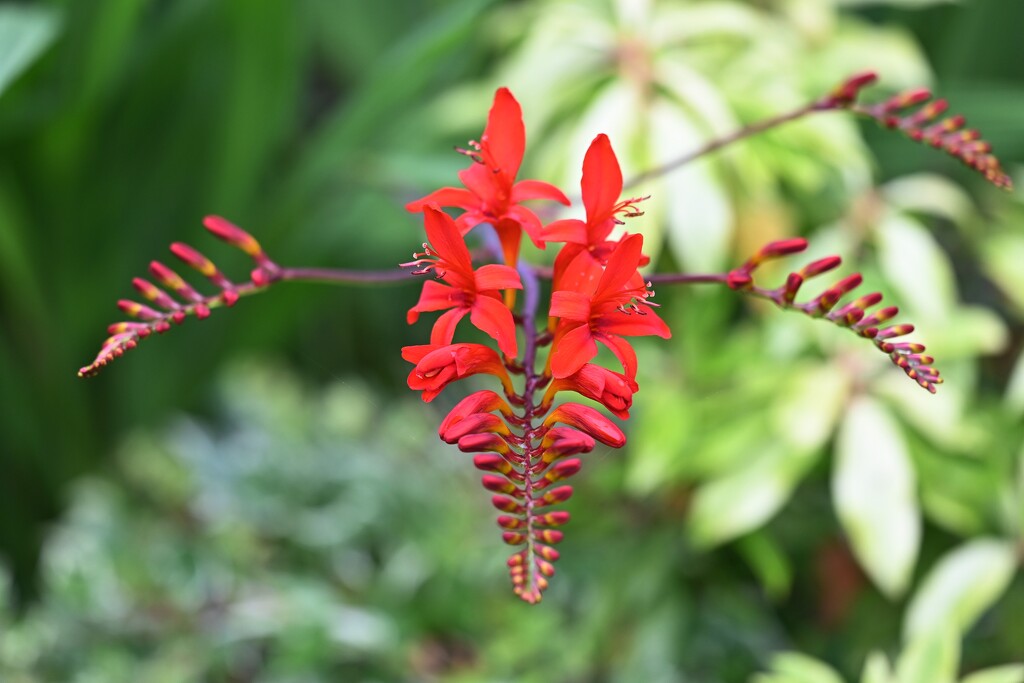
{"x": 77, "y": 193}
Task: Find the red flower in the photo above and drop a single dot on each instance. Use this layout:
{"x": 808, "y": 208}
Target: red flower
{"x": 473, "y": 292}
{"x": 491, "y": 194}
{"x": 439, "y": 366}
{"x": 601, "y": 186}
{"x": 588, "y": 421}
{"x": 595, "y": 310}
{"x": 611, "y": 389}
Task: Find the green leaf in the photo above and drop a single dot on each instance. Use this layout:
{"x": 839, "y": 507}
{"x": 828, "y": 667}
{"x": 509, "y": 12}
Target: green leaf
{"x": 961, "y": 586}
{"x": 25, "y": 32}
{"x": 915, "y": 265}
{"x": 877, "y": 669}
{"x": 698, "y": 212}
{"x": 930, "y": 193}
{"x": 1015, "y": 388}
{"x": 1010, "y": 673}
{"x": 932, "y": 658}
{"x": 745, "y": 499}
{"x": 873, "y": 484}
{"x": 768, "y": 561}
{"x": 793, "y": 667}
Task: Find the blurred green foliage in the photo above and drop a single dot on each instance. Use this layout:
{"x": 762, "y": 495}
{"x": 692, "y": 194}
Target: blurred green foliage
{"x": 784, "y": 487}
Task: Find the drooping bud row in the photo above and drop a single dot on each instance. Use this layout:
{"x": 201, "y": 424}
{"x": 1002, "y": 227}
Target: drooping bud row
{"x": 126, "y": 335}
{"x": 853, "y": 315}
{"x": 949, "y": 134}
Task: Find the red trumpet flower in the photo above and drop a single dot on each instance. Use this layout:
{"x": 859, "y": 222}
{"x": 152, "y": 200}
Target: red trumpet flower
{"x": 439, "y": 366}
{"x": 602, "y": 310}
{"x": 601, "y": 186}
{"x": 468, "y": 291}
{"x": 491, "y": 193}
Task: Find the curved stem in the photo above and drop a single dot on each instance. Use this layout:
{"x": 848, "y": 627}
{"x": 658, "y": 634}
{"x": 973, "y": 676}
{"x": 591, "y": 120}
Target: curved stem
{"x": 718, "y": 143}
{"x": 684, "y": 279}
{"x": 336, "y": 276}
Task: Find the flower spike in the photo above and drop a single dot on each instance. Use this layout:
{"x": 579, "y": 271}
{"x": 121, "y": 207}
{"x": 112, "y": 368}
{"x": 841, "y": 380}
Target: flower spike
{"x": 923, "y": 124}
{"x": 853, "y": 315}
{"x": 126, "y": 335}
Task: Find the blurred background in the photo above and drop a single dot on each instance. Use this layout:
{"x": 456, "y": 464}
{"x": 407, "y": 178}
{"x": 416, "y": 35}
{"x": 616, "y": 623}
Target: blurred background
{"x": 259, "y": 497}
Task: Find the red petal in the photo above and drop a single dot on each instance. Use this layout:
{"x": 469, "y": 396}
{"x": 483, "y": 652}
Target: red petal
{"x": 568, "y": 230}
{"x": 496, "y": 276}
{"x": 571, "y": 350}
{"x": 623, "y": 351}
{"x": 570, "y": 306}
{"x": 602, "y": 179}
{"x": 414, "y": 354}
{"x": 528, "y": 221}
{"x": 444, "y": 328}
{"x": 434, "y": 297}
{"x": 582, "y": 274}
{"x": 633, "y": 324}
{"x": 505, "y": 135}
{"x": 445, "y": 239}
{"x": 493, "y": 318}
{"x": 446, "y": 196}
{"x": 481, "y": 182}
{"x": 621, "y": 266}
{"x": 537, "y": 189}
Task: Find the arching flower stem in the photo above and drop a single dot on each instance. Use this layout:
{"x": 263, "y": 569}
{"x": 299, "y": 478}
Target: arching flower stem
{"x": 718, "y": 143}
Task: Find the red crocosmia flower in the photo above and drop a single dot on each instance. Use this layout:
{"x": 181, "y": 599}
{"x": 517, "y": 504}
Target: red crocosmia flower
{"x": 491, "y": 194}
{"x": 602, "y": 310}
{"x": 611, "y": 389}
{"x": 601, "y": 186}
{"x": 589, "y": 421}
{"x": 439, "y": 366}
{"x": 474, "y": 292}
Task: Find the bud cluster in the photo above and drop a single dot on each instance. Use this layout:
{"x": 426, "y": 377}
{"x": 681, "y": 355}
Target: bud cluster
{"x": 920, "y": 118}
{"x": 853, "y": 315}
{"x": 126, "y": 335}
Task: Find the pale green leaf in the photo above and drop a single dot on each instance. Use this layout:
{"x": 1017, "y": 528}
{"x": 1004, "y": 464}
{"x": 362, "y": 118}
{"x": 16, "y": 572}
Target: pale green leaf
{"x": 1015, "y": 387}
{"x": 961, "y": 586}
{"x": 873, "y": 484}
{"x": 1009, "y": 673}
{"x": 25, "y": 32}
{"x": 931, "y": 658}
{"x": 806, "y": 415}
{"x": 916, "y": 266}
{"x": 929, "y": 193}
{"x": 745, "y": 499}
{"x": 877, "y": 669}
{"x": 1002, "y": 255}
{"x": 699, "y": 215}
{"x": 794, "y": 667}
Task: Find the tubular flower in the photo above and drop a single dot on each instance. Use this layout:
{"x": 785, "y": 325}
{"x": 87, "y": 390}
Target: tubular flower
{"x": 601, "y": 186}
{"x": 467, "y": 291}
{"x": 439, "y": 366}
{"x": 490, "y": 193}
{"x": 609, "y": 388}
{"x": 602, "y": 310}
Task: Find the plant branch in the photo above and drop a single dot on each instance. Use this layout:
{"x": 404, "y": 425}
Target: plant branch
{"x": 341, "y": 276}
{"x": 718, "y": 143}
